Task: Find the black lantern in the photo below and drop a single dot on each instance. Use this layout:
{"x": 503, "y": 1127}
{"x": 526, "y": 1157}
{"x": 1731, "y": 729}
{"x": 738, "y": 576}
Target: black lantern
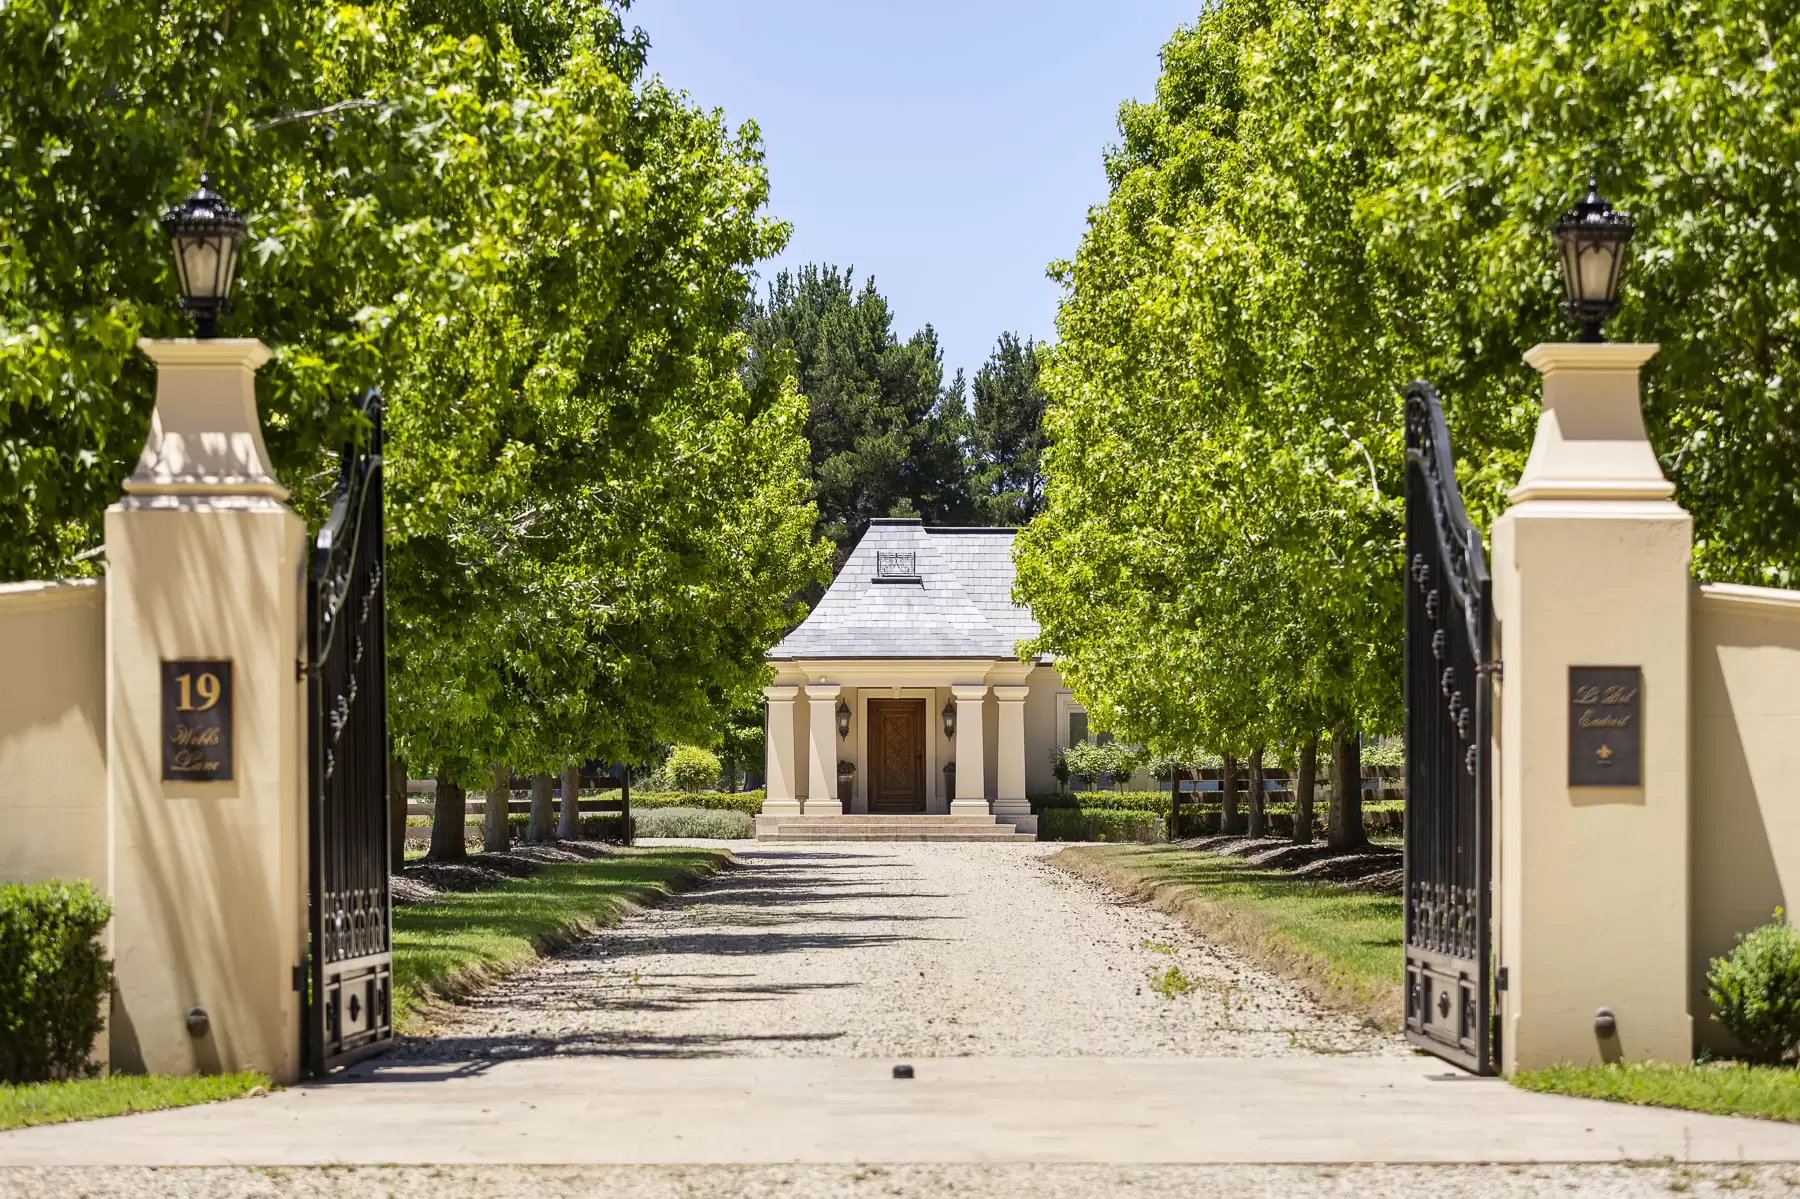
{"x": 206, "y": 234}
{"x": 1591, "y": 238}
{"x": 950, "y": 719}
{"x": 843, "y": 715}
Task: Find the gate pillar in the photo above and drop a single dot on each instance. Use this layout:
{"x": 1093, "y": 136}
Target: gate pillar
{"x": 1591, "y": 590}
{"x": 205, "y": 731}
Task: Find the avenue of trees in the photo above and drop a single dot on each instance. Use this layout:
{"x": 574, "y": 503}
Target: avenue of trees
{"x": 1323, "y": 202}
{"x": 597, "y": 522}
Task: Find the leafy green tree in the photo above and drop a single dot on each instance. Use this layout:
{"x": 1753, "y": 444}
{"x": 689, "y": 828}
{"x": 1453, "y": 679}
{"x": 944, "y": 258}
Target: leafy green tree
{"x": 542, "y": 257}
{"x": 886, "y": 433}
{"x": 1006, "y": 434}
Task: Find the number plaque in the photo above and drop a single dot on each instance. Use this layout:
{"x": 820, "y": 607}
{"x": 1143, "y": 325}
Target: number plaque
{"x": 196, "y": 720}
{"x": 1606, "y": 735}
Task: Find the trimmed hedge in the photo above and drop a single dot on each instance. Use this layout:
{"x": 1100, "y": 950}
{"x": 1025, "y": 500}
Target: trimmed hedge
{"x": 713, "y": 823}
{"x": 748, "y": 802}
{"x": 53, "y": 979}
{"x": 1076, "y": 824}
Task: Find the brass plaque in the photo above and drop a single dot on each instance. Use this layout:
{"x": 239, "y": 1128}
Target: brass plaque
{"x": 1606, "y": 726}
{"x": 196, "y": 720}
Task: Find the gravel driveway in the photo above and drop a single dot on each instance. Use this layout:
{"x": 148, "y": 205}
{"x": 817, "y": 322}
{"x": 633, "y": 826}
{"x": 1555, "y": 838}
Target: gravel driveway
{"x": 899, "y": 949}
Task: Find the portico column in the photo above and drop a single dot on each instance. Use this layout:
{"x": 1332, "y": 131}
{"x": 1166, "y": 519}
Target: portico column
{"x": 779, "y": 797}
{"x": 821, "y": 775}
{"x": 1009, "y": 778}
{"x": 971, "y": 753}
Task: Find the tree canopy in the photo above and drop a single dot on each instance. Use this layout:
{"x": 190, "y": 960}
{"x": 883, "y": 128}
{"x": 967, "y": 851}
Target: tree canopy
{"x": 1006, "y": 434}
{"x": 543, "y": 258}
{"x": 1322, "y": 203}
{"x": 886, "y": 433}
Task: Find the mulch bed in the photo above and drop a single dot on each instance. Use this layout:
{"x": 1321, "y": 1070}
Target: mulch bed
{"x": 423, "y": 881}
{"x": 1373, "y": 868}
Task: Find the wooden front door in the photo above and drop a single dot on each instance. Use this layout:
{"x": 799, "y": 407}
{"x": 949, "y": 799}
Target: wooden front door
{"x": 896, "y": 755}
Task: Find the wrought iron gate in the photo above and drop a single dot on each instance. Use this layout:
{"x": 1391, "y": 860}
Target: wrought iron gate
{"x": 1448, "y": 722}
{"x": 349, "y": 1009}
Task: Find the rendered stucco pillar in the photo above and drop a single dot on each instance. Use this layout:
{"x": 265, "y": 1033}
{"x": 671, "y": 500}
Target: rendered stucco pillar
{"x": 821, "y": 759}
{"x": 1591, "y": 570}
{"x": 206, "y": 561}
{"x": 780, "y": 797}
{"x": 971, "y": 752}
{"x": 1009, "y": 786}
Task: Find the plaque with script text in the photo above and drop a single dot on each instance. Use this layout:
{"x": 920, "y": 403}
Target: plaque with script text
{"x": 1606, "y": 726}
{"x": 196, "y": 720}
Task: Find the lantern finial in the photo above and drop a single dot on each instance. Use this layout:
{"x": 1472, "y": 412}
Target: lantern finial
{"x": 206, "y": 234}
{"x": 1591, "y": 239}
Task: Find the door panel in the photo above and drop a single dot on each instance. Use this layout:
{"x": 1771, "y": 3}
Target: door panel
{"x": 896, "y": 755}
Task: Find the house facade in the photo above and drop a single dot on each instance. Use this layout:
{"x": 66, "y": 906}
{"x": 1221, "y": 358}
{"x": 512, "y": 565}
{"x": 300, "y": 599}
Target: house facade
{"x": 903, "y": 691}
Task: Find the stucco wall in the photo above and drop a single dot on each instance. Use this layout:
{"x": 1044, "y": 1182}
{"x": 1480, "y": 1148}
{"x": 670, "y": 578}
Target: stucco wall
{"x": 1745, "y": 772}
{"x": 53, "y": 732}
{"x": 1042, "y": 736}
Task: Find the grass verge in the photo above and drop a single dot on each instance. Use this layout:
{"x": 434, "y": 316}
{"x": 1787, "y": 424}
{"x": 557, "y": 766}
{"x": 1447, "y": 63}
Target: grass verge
{"x": 1344, "y": 946}
{"x": 460, "y": 942}
{"x": 1723, "y": 1088}
{"x": 24, "y": 1104}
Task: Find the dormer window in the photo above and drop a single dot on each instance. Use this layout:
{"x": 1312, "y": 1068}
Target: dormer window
{"x": 897, "y": 566}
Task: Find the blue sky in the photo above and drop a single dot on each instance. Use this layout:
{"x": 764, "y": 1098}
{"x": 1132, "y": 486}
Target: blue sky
{"x": 950, "y": 149}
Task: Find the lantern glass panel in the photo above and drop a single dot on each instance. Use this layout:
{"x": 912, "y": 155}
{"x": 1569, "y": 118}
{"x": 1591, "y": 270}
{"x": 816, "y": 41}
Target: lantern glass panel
{"x": 200, "y": 267}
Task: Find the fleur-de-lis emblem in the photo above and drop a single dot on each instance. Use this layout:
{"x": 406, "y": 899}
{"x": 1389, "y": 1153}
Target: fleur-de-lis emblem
{"x": 1604, "y": 753}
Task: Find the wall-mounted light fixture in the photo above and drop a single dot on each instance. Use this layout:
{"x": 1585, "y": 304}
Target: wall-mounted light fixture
{"x": 950, "y": 719}
{"x": 843, "y": 715}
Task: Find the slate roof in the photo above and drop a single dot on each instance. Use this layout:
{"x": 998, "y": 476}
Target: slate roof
{"x": 957, "y": 605}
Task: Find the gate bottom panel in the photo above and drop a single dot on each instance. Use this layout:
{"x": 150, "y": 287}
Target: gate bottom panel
{"x": 1445, "y": 1008}
{"x": 357, "y": 1003}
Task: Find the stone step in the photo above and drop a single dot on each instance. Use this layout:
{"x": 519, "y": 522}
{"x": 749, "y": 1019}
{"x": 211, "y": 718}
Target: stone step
{"x": 1006, "y": 835}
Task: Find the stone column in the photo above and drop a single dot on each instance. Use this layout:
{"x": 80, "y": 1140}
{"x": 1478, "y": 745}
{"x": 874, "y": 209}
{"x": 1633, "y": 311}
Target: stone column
{"x": 821, "y": 759}
{"x": 779, "y": 795}
{"x": 1010, "y": 803}
{"x": 1590, "y": 569}
{"x": 205, "y": 565}
{"x": 971, "y": 751}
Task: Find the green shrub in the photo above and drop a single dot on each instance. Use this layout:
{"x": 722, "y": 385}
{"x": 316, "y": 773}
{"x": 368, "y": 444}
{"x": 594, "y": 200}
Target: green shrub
{"x": 692, "y": 822}
{"x": 1074, "y": 824}
{"x": 1757, "y": 990}
{"x": 748, "y": 802}
{"x": 693, "y": 769}
{"x": 53, "y": 979}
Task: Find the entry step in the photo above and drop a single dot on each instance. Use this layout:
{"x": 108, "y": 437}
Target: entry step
{"x": 911, "y": 826}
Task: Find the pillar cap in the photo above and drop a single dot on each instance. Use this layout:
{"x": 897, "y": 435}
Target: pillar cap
{"x": 205, "y": 435}
{"x": 824, "y": 690}
{"x": 1011, "y": 695}
{"x": 1590, "y": 442}
{"x": 969, "y": 691}
{"x": 781, "y": 693}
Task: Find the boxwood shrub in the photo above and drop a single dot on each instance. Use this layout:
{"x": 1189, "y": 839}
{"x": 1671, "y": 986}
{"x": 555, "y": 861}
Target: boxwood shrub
{"x": 721, "y": 824}
{"x": 748, "y": 802}
{"x": 53, "y": 979}
{"x": 1756, "y": 989}
{"x": 1078, "y": 824}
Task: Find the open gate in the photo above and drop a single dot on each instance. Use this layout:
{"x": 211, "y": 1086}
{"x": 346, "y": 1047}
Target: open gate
{"x": 349, "y": 995}
{"x": 1448, "y": 724}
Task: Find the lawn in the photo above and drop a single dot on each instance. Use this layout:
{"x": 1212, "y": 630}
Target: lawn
{"x": 461, "y": 941}
{"x": 90, "y": 1098}
{"x": 1725, "y": 1088}
{"x": 1344, "y": 945}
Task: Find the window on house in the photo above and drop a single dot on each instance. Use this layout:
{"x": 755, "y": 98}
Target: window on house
{"x": 1077, "y": 727}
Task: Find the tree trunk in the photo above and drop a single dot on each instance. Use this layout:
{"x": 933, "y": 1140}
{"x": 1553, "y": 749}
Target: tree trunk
{"x": 496, "y": 833}
{"x": 1345, "y": 827}
{"x": 1228, "y": 798}
{"x": 397, "y": 798}
{"x": 625, "y": 799}
{"x": 1304, "y": 787}
{"x": 447, "y": 817}
{"x": 539, "y": 829}
{"x": 1175, "y": 774}
{"x": 568, "y": 825}
{"x": 1257, "y": 817}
